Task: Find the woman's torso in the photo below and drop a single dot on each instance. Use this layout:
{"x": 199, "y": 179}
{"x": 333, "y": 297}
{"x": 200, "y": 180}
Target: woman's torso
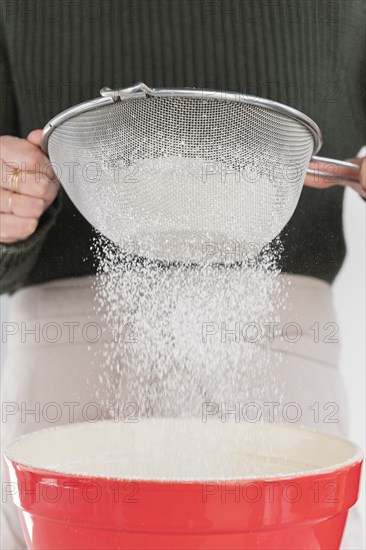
{"x": 307, "y": 54}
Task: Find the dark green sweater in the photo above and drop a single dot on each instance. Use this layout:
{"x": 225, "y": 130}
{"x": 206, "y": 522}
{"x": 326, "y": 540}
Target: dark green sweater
{"x": 308, "y": 54}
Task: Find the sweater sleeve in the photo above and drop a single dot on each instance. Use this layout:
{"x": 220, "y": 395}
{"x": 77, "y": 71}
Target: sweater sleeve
{"x": 18, "y": 259}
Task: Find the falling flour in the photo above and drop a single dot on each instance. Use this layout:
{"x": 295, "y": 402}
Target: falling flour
{"x": 188, "y": 341}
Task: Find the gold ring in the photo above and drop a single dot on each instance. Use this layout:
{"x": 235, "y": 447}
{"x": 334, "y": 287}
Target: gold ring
{"x": 14, "y": 181}
{"x": 10, "y": 202}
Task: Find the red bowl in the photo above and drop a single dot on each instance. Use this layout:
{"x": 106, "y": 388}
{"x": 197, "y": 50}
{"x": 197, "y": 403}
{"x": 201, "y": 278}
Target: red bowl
{"x": 184, "y": 484}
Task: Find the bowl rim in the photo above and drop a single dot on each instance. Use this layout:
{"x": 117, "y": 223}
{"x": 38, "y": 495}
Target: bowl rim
{"x": 355, "y": 459}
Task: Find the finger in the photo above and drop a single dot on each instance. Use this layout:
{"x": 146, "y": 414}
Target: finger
{"x": 20, "y": 154}
{"x": 21, "y": 205}
{"x": 363, "y": 173}
{"x": 319, "y": 182}
{"x": 52, "y": 193}
{"x": 33, "y": 185}
{"x": 314, "y": 180}
{"x": 361, "y": 161}
{"x": 13, "y": 228}
{"x": 322, "y": 182}
{"x": 35, "y": 137}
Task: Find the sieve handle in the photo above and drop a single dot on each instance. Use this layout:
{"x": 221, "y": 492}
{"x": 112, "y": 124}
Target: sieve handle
{"x": 341, "y": 180}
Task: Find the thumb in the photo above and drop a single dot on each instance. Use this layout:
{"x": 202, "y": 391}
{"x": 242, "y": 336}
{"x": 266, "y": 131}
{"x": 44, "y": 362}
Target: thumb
{"x": 35, "y": 137}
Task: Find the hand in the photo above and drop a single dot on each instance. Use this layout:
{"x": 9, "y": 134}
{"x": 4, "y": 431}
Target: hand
{"x": 322, "y": 182}
{"x": 28, "y": 186}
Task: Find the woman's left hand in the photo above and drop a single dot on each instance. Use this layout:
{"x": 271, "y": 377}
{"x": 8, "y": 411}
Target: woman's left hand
{"x": 321, "y": 182}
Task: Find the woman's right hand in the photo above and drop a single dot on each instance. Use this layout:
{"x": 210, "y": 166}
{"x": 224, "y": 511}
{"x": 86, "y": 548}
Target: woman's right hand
{"x": 24, "y": 194}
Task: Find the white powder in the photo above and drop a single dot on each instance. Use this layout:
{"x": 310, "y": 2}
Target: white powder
{"x": 182, "y": 449}
{"x": 175, "y": 355}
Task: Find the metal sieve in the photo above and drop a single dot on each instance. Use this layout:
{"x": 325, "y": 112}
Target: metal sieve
{"x": 184, "y": 174}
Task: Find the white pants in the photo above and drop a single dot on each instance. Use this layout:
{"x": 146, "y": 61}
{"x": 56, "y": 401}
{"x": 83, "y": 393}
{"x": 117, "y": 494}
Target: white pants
{"x": 53, "y": 375}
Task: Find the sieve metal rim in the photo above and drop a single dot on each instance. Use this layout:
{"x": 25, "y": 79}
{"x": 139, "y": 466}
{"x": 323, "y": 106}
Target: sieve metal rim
{"x": 141, "y": 91}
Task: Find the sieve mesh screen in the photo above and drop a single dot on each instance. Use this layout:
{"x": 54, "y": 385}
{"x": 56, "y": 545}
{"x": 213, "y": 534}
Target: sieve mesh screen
{"x": 172, "y": 174}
